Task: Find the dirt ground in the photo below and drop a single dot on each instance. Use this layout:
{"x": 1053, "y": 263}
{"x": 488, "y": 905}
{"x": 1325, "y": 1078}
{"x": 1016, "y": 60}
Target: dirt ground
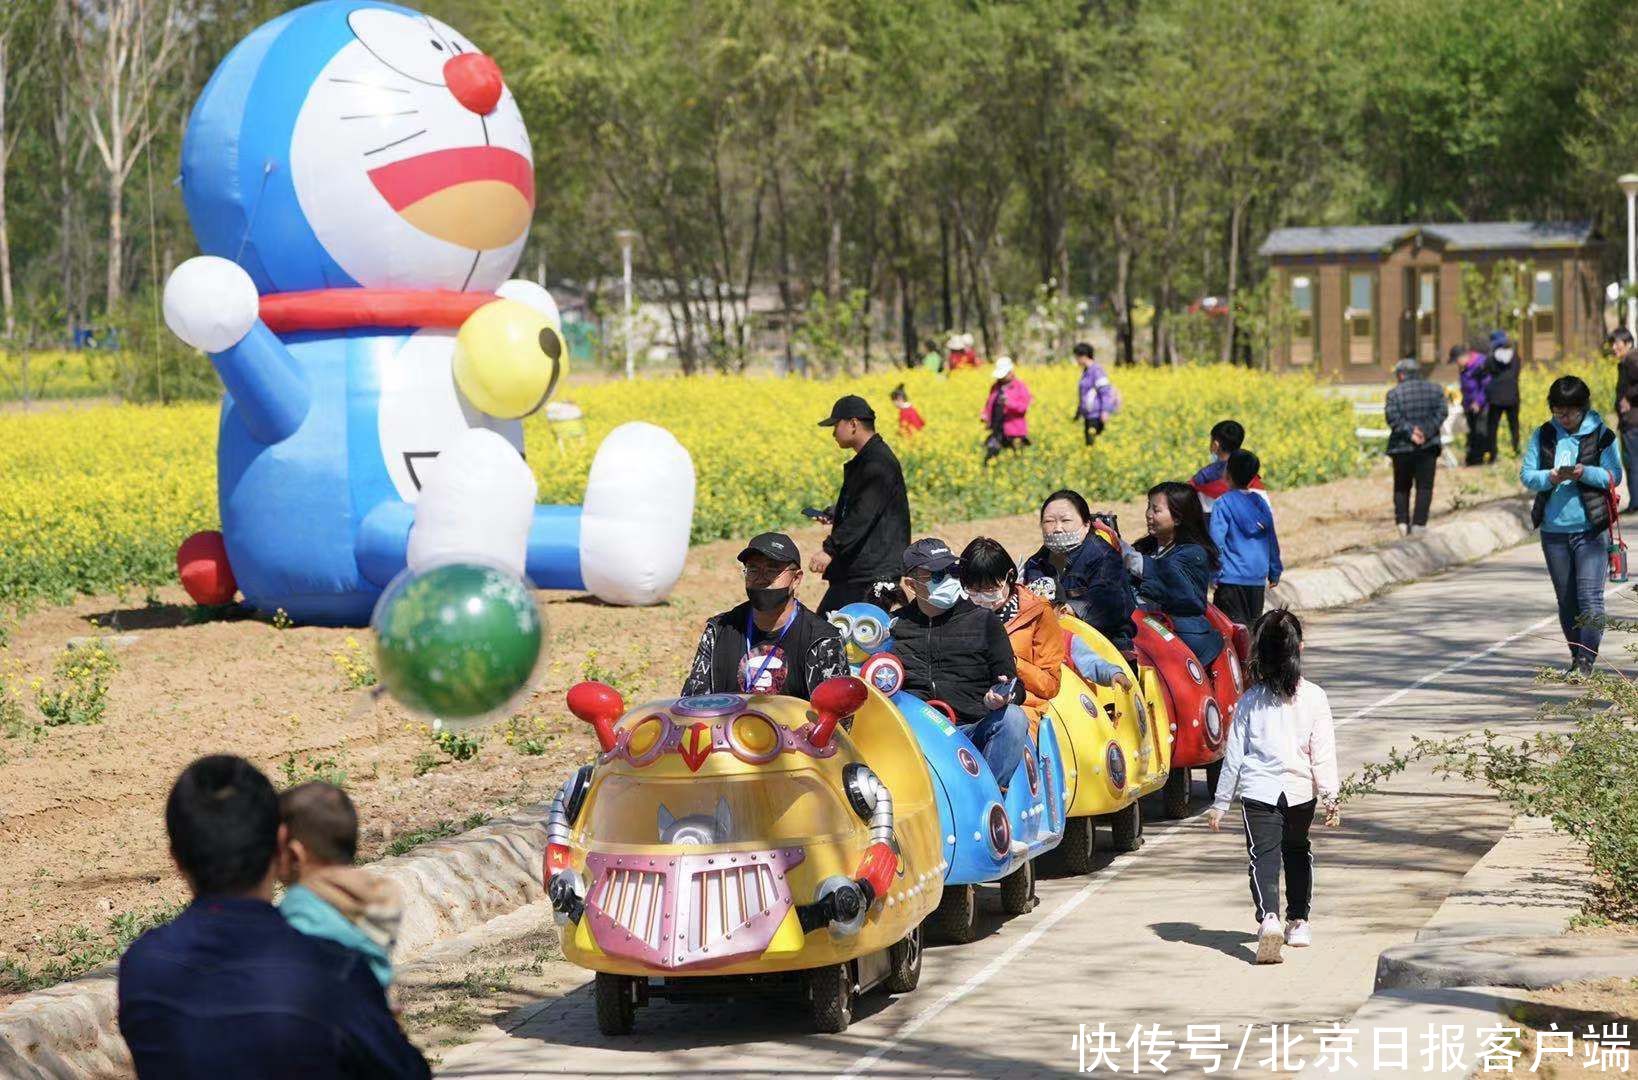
{"x": 81, "y": 838}
{"x": 1606, "y": 1009}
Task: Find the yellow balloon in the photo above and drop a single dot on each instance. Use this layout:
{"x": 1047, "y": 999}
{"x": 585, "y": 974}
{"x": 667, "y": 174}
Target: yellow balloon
{"x": 508, "y": 359}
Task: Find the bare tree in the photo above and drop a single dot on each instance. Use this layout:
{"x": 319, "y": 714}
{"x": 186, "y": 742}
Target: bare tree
{"x": 124, "y": 54}
{"x": 19, "y": 23}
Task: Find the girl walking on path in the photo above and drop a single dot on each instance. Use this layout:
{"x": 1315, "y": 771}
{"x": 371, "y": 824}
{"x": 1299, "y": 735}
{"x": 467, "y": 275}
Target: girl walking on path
{"x": 1281, "y": 761}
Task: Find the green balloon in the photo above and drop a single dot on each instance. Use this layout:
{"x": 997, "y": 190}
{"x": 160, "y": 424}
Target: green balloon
{"x": 456, "y": 641}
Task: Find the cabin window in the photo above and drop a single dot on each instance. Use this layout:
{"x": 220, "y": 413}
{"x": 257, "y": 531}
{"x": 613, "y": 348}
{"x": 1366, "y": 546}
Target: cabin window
{"x": 1544, "y": 316}
{"x": 1427, "y": 316}
{"x": 1302, "y": 322}
{"x": 1359, "y": 320}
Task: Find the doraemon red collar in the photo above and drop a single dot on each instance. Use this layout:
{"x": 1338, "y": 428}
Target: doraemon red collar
{"x": 342, "y": 309}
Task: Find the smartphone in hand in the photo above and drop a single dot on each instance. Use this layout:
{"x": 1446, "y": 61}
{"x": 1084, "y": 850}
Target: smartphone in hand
{"x": 821, "y": 516}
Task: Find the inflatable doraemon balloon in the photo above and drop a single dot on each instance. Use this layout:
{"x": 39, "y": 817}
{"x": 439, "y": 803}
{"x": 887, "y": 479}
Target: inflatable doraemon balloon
{"x": 361, "y": 185}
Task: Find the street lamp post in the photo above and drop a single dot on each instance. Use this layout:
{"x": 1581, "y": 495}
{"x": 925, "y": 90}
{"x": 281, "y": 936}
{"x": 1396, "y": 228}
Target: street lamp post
{"x": 1629, "y": 186}
{"x": 626, "y": 236}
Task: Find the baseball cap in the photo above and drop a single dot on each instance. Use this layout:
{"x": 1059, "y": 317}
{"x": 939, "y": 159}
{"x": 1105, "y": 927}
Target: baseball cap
{"x": 1498, "y": 338}
{"x": 776, "y": 546}
{"x": 1003, "y": 368}
{"x": 849, "y": 407}
{"x": 929, "y": 554}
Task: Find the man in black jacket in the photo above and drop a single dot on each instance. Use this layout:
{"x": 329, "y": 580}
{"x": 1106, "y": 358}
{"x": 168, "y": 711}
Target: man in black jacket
{"x": 870, "y": 524}
{"x": 957, "y": 652}
{"x": 770, "y": 644}
{"x": 1502, "y": 392}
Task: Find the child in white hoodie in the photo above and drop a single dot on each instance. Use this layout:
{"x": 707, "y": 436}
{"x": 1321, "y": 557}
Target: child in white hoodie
{"x": 1281, "y": 760}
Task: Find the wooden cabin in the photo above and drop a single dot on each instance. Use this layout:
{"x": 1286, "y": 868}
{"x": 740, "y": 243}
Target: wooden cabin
{"x": 1365, "y": 296}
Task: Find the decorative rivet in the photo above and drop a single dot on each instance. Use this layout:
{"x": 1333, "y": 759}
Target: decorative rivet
{"x": 950, "y": 839}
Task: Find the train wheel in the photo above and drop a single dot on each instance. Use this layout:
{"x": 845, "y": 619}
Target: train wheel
{"x": 1177, "y": 794}
{"x": 830, "y": 998}
{"x": 1126, "y": 828}
{"x": 1076, "y": 848}
{"x": 616, "y": 1003}
{"x": 955, "y": 920}
{"x": 1018, "y": 890}
{"x": 904, "y": 964}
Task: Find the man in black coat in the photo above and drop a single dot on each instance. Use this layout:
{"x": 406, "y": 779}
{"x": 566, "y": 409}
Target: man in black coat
{"x": 957, "y": 652}
{"x": 1502, "y": 392}
{"x": 1626, "y": 405}
{"x": 770, "y": 644}
{"x": 870, "y": 523}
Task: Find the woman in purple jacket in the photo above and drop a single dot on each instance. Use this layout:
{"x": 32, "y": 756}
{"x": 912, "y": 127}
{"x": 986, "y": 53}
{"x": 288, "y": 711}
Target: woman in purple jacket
{"x": 1097, "y": 399}
{"x": 1474, "y": 378}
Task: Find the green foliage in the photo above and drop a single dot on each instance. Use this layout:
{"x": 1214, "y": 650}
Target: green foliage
{"x": 459, "y": 745}
{"x": 416, "y": 838}
{"x": 1579, "y": 772}
{"x": 78, "y": 693}
{"x": 826, "y": 334}
{"x": 354, "y": 662}
{"x": 330, "y": 770}
{"x": 72, "y": 951}
{"x": 1497, "y": 296}
{"x": 528, "y": 735}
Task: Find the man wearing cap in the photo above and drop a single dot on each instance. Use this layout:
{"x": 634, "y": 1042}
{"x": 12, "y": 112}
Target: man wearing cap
{"x": 770, "y": 644}
{"x": 957, "y": 652}
{"x": 870, "y": 524}
{"x": 1415, "y": 413}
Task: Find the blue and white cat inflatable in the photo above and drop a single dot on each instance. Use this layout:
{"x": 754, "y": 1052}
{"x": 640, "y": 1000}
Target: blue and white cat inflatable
{"x": 361, "y": 183}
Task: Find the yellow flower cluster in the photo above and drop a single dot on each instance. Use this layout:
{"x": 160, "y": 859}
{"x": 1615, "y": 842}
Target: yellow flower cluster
{"x": 97, "y": 499}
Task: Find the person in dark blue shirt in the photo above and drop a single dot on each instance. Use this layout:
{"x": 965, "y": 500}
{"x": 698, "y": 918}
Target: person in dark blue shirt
{"x": 229, "y": 989}
{"x": 1080, "y": 573}
{"x": 1174, "y": 564}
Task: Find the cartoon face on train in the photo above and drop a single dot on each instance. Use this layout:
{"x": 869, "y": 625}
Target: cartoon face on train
{"x": 720, "y": 830}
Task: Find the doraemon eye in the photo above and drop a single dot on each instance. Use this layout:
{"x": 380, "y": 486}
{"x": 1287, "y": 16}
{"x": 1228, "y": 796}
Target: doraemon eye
{"x": 416, "y": 48}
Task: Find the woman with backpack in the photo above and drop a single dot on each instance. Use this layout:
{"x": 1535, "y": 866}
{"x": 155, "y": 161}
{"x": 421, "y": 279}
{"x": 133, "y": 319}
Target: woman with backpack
{"x": 1098, "y": 399}
{"x": 1573, "y": 465}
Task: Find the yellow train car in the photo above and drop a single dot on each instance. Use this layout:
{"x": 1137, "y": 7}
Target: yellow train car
{"x": 1117, "y": 747}
{"x": 732, "y": 845}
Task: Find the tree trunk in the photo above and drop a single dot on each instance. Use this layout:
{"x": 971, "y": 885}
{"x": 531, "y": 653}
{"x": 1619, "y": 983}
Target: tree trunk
{"x": 1226, "y": 352}
{"x": 116, "y": 240}
{"x": 6, "y": 299}
{"x": 785, "y": 298}
{"x": 1123, "y": 301}
{"x": 907, "y": 316}
{"x": 944, "y": 264}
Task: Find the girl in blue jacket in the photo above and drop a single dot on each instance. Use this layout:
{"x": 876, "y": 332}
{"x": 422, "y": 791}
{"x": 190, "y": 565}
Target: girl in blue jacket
{"x": 1571, "y": 464}
{"x": 1174, "y": 564}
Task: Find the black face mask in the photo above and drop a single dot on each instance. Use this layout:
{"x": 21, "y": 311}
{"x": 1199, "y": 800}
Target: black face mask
{"x": 768, "y": 599}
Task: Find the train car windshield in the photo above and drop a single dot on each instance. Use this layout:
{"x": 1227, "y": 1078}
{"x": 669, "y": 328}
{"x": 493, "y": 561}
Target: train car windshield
{"x": 753, "y": 811}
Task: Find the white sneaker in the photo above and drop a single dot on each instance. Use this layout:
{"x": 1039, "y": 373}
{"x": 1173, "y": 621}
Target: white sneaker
{"x": 1270, "y": 936}
{"x": 1404, "y": 530}
{"x": 1297, "y": 934}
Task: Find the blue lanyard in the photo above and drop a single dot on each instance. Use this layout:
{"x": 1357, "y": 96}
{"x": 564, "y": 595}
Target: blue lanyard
{"x": 750, "y": 629}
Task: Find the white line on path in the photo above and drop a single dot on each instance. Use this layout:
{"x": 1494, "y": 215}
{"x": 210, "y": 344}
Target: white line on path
{"x": 1016, "y": 949}
{"x": 1119, "y": 865}
{"x": 1459, "y": 664}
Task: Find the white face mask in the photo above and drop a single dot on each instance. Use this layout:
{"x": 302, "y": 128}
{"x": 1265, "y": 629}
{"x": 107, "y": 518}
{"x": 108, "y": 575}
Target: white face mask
{"x": 941, "y": 593}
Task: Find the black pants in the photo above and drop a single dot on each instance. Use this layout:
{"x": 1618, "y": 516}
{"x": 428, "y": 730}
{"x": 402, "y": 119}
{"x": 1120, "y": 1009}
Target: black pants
{"x": 1093, "y": 428}
{"x": 1415, "y": 468}
{"x": 1242, "y": 603}
{"x": 1494, "y": 428}
{"x": 997, "y": 443}
{"x": 1478, "y": 441}
{"x": 1275, "y": 836}
{"x": 843, "y": 593}
{"x": 1629, "y": 443}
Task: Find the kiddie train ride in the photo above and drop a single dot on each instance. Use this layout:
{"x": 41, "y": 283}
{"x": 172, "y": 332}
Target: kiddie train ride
{"x": 361, "y": 185}
{"x": 729, "y": 845}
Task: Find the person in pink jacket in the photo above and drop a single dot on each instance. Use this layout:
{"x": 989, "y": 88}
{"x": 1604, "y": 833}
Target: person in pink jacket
{"x": 1005, "y": 411}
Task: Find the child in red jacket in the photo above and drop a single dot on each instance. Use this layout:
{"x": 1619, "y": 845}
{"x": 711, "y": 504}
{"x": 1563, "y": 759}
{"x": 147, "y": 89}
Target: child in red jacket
{"x": 910, "y": 420}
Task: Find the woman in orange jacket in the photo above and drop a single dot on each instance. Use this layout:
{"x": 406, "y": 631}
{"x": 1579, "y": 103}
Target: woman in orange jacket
{"x": 990, "y": 578}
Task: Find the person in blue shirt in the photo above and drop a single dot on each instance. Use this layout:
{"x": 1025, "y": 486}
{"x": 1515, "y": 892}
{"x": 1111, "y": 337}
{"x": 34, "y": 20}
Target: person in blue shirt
{"x": 1572, "y": 464}
{"x": 326, "y": 896}
{"x": 228, "y": 988}
{"x": 1242, "y": 526}
{"x": 1174, "y": 563}
{"x": 1078, "y": 573}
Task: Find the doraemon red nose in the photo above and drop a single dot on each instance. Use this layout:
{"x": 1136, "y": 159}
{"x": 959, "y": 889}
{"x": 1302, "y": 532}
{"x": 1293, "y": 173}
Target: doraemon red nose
{"x": 475, "y": 80}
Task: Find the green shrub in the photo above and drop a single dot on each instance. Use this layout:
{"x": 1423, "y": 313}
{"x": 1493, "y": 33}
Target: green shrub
{"x": 79, "y": 691}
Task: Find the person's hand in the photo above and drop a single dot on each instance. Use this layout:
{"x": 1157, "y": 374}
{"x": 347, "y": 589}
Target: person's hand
{"x": 994, "y": 698}
{"x": 1417, "y": 437}
{"x": 1214, "y": 818}
{"x": 1623, "y": 405}
{"x": 819, "y": 562}
{"x": 1577, "y": 471}
{"x": 1121, "y": 681}
{"x": 1333, "y": 814}
{"x": 1273, "y": 583}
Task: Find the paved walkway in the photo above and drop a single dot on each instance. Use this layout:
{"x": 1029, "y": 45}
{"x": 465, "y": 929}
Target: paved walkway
{"x": 1162, "y": 936}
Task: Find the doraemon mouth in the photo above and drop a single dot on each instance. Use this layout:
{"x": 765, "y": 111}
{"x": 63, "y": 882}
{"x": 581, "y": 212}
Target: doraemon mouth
{"x": 479, "y": 197}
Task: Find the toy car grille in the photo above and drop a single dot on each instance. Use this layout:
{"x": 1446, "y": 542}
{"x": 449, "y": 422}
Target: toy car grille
{"x": 689, "y": 911}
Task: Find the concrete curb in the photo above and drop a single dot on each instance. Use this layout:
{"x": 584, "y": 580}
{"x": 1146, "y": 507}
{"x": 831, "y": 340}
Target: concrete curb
{"x": 1355, "y": 576}
{"x": 449, "y": 886}
{"x": 1391, "y": 1018}
{"x": 1530, "y": 963}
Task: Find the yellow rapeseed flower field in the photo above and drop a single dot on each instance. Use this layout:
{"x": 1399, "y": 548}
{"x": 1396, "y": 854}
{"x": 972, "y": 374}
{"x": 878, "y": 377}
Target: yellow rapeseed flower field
{"x": 97, "y": 499}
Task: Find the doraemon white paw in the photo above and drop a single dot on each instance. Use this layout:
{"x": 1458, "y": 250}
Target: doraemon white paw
{"x": 210, "y": 303}
{"x": 635, "y": 522}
